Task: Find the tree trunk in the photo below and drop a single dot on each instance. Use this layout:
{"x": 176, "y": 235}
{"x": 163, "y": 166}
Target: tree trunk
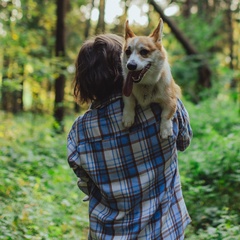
{"x": 6, "y": 97}
{"x": 101, "y": 23}
{"x": 186, "y": 8}
{"x": 60, "y": 52}
{"x": 88, "y": 22}
{"x": 204, "y": 72}
{"x": 12, "y": 99}
{"x": 190, "y": 50}
{"x": 231, "y": 41}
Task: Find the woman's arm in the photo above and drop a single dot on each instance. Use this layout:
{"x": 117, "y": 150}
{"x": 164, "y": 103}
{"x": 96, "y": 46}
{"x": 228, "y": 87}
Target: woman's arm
{"x": 74, "y": 161}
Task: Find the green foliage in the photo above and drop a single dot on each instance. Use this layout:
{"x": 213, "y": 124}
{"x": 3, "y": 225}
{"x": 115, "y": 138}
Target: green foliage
{"x": 210, "y": 170}
{"x": 11, "y": 85}
{"x": 27, "y": 37}
{"x": 40, "y": 200}
{"x": 204, "y": 33}
{"x": 38, "y": 193}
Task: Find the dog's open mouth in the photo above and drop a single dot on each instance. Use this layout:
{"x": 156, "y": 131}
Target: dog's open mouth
{"x": 134, "y": 77}
{"x": 138, "y": 75}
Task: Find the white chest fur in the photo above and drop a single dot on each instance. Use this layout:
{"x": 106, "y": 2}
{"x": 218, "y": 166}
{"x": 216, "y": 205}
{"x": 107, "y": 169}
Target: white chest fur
{"x": 145, "y": 94}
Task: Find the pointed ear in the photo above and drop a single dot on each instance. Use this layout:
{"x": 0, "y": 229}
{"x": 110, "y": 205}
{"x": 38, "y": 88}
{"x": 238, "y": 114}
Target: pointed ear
{"x": 128, "y": 32}
{"x": 158, "y": 32}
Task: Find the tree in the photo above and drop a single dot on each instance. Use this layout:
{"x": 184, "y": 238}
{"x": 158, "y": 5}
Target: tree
{"x": 229, "y": 18}
{"x": 204, "y": 72}
{"x": 60, "y": 52}
{"x": 101, "y": 23}
{"x": 12, "y": 73}
{"x": 88, "y": 22}
{"x": 6, "y": 94}
{"x": 186, "y": 8}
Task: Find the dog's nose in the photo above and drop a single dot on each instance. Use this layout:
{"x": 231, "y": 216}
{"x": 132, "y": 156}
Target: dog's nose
{"x": 131, "y": 66}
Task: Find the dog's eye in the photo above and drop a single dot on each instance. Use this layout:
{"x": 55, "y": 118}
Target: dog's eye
{"x": 144, "y": 52}
{"x": 128, "y": 52}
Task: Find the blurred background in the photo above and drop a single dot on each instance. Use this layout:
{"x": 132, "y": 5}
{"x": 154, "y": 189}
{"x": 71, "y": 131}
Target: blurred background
{"x": 39, "y": 43}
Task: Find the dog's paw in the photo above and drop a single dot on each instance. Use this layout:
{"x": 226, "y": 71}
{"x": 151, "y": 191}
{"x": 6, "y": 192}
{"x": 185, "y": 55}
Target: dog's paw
{"x": 165, "y": 133}
{"x": 166, "y": 129}
{"x": 128, "y": 119}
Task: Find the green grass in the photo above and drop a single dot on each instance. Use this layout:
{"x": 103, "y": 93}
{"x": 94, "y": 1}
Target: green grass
{"x": 38, "y": 193}
{"x": 40, "y": 199}
{"x": 210, "y": 170}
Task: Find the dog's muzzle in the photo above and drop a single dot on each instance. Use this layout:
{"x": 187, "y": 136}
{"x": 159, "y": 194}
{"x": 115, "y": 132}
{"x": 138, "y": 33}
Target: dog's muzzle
{"x": 138, "y": 75}
{"x": 133, "y": 77}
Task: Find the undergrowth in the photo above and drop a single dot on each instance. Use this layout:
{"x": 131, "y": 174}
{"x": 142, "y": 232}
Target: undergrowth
{"x": 38, "y": 193}
{"x": 210, "y": 170}
{"x": 40, "y": 200}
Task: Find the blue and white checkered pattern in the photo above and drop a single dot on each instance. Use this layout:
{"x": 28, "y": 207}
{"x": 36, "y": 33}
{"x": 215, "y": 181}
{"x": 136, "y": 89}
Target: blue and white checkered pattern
{"x": 131, "y": 175}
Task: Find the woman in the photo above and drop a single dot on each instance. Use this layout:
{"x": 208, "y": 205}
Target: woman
{"x": 130, "y": 175}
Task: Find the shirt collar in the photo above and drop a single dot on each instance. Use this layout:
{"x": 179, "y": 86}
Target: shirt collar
{"x": 106, "y": 101}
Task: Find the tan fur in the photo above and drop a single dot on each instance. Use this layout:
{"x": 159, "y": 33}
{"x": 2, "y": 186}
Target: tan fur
{"x": 157, "y": 85}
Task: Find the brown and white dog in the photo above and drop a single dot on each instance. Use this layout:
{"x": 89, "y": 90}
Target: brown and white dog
{"x": 148, "y": 78}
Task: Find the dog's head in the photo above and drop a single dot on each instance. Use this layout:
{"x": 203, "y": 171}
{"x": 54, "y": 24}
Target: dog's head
{"x": 142, "y": 57}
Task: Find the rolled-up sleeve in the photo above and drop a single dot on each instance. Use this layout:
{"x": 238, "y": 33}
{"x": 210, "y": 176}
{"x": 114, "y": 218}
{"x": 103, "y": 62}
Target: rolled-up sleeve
{"x": 185, "y": 131}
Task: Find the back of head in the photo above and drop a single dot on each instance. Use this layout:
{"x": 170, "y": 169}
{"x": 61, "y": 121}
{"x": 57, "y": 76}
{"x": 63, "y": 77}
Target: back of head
{"x": 98, "y": 68}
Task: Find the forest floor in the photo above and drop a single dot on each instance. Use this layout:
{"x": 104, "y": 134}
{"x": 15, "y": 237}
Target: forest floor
{"x": 40, "y": 199}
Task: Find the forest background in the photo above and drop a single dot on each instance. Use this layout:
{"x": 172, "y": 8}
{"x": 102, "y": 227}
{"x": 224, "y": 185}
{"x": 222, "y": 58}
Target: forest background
{"x": 39, "y": 43}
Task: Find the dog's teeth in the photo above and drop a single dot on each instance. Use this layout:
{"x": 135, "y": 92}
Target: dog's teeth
{"x": 135, "y": 79}
{"x": 141, "y": 73}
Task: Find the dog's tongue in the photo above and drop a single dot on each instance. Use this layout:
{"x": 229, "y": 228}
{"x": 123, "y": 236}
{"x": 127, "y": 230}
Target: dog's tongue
{"x": 128, "y": 86}
{"x": 134, "y": 76}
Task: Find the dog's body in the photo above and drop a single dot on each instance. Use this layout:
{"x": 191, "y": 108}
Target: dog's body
{"x": 148, "y": 77}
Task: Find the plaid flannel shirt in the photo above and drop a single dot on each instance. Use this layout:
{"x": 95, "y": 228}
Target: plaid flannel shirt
{"x": 131, "y": 175}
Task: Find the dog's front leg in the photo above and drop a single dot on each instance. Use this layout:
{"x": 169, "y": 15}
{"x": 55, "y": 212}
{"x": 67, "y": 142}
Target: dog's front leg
{"x": 128, "y": 111}
{"x": 166, "y": 126}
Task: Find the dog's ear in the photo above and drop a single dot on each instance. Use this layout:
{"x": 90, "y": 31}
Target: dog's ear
{"x": 128, "y": 32}
{"x": 158, "y": 32}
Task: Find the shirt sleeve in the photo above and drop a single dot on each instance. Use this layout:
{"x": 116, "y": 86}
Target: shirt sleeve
{"x": 185, "y": 131}
{"x": 74, "y": 161}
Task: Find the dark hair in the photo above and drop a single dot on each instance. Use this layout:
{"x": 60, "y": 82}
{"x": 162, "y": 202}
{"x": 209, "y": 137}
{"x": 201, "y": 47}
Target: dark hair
{"x": 98, "y": 68}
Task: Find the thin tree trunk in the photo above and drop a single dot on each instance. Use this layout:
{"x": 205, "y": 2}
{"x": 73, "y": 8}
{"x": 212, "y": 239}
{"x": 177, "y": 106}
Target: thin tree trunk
{"x": 204, "y": 72}
{"x": 6, "y": 96}
{"x": 101, "y": 23}
{"x": 88, "y": 22}
{"x": 60, "y": 52}
{"x": 190, "y": 50}
{"x": 231, "y": 41}
{"x": 186, "y": 8}
{"x": 12, "y": 99}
